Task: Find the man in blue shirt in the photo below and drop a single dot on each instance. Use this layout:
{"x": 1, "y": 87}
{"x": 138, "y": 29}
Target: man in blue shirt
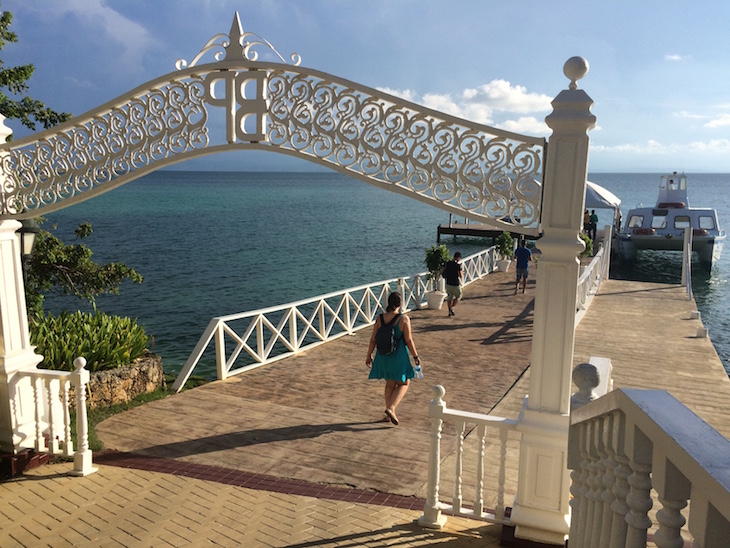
{"x": 523, "y": 256}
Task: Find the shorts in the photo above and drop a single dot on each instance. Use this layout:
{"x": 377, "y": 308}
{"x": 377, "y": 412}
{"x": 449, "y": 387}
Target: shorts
{"x": 453, "y": 292}
{"x": 522, "y": 273}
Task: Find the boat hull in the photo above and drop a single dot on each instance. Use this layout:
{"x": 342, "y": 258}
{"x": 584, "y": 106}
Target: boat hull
{"x": 707, "y": 249}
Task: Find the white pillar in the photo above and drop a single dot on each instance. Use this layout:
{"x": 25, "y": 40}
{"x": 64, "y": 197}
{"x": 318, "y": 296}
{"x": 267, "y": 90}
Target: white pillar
{"x": 17, "y": 411}
{"x": 541, "y": 510}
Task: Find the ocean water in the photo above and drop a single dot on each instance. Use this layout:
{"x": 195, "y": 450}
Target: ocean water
{"x": 215, "y": 243}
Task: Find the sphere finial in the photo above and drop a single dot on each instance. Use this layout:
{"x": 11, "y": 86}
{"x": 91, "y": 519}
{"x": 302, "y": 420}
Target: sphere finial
{"x": 575, "y": 68}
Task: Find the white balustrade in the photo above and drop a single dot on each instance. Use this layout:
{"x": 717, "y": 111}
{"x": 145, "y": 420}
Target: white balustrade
{"x": 630, "y": 442}
{"x": 271, "y": 334}
{"x": 52, "y": 414}
{"x": 485, "y": 425}
{"x": 590, "y": 279}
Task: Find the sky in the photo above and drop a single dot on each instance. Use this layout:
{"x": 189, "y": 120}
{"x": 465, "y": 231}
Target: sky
{"x": 659, "y": 70}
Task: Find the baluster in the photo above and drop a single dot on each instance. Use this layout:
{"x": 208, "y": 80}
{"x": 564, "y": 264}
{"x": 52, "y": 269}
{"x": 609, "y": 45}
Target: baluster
{"x": 82, "y": 458}
{"x": 479, "y": 491}
{"x": 294, "y": 335}
{"x": 639, "y": 497}
{"x": 609, "y": 480}
{"x": 40, "y": 442}
{"x": 432, "y": 517}
{"x": 674, "y": 490}
{"x": 460, "y": 426}
{"x": 499, "y": 506}
{"x": 68, "y": 444}
{"x": 53, "y": 397}
{"x": 619, "y": 507}
{"x": 590, "y": 495}
{"x": 598, "y": 490}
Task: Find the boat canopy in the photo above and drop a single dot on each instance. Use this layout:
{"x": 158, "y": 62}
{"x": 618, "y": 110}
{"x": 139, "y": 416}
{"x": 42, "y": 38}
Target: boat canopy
{"x": 598, "y": 197}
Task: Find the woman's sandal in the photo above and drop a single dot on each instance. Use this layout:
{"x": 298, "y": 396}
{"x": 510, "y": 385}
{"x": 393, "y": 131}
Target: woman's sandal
{"x": 392, "y": 416}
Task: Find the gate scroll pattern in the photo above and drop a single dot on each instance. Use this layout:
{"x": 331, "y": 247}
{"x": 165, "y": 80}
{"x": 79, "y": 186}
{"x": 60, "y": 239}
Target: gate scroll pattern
{"x": 481, "y": 172}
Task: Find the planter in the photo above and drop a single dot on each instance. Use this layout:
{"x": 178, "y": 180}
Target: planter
{"x": 435, "y": 299}
{"x": 503, "y": 265}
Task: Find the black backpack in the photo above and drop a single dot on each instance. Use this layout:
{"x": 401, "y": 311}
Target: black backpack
{"x": 385, "y": 339}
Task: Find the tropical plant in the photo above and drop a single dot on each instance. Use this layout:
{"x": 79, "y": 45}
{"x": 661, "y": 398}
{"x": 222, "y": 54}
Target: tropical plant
{"x": 107, "y": 342}
{"x": 68, "y": 269}
{"x": 505, "y": 245}
{"x": 588, "y": 251}
{"x": 436, "y": 257}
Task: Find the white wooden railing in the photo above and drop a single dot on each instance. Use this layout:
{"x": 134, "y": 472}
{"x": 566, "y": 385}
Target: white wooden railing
{"x": 497, "y": 428}
{"x": 590, "y": 279}
{"x": 270, "y": 334}
{"x": 52, "y": 433}
{"x": 631, "y": 443}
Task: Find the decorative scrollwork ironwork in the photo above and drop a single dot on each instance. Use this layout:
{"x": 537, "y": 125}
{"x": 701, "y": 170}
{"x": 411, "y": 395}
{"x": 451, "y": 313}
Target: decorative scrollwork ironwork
{"x": 484, "y": 173}
{"x": 161, "y": 123}
{"x": 492, "y": 175}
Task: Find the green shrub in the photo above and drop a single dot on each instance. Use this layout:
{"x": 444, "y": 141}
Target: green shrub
{"x": 588, "y": 252}
{"x": 505, "y": 245}
{"x": 107, "y": 342}
{"x": 436, "y": 257}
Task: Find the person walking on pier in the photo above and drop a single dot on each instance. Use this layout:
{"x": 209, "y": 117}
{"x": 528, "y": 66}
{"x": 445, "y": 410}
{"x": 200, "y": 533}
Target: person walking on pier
{"x": 453, "y": 274}
{"x": 393, "y": 362}
{"x": 523, "y": 256}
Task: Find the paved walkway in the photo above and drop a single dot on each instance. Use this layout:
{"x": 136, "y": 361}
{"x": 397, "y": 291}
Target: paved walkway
{"x": 293, "y": 454}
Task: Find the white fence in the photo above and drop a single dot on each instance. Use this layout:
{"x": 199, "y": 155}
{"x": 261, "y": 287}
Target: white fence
{"x": 264, "y": 336}
{"x": 590, "y": 279}
{"x": 630, "y": 443}
{"x": 497, "y": 428}
{"x": 52, "y": 433}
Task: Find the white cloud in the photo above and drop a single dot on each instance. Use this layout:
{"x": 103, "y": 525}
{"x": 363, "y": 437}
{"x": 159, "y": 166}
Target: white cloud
{"x": 480, "y": 104}
{"x": 134, "y": 38}
{"x": 405, "y": 94}
{"x": 502, "y": 96}
{"x": 689, "y": 115}
{"x": 675, "y": 57}
{"x": 526, "y": 124}
{"x": 720, "y": 121}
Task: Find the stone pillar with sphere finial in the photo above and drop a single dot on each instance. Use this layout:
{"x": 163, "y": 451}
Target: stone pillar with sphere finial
{"x": 541, "y": 512}
{"x": 17, "y": 412}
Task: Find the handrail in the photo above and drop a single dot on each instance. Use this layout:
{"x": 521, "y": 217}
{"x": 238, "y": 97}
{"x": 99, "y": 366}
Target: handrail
{"x": 433, "y": 508}
{"x": 270, "y": 334}
{"x": 51, "y": 390}
{"x": 625, "y": 444}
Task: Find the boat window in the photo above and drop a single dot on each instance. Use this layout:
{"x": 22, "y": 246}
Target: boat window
{"x": 682, "y": 221}
{"x": 659, "y": 221}
{"x": 635, "y": 221}
{"x": 707, "y": 222}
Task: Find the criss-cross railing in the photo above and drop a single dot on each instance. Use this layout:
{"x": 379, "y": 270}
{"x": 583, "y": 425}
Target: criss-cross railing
{"x": 267, "y": 335}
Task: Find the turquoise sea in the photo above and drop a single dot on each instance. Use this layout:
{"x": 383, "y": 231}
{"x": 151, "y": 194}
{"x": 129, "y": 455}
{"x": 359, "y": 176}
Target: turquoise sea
{"x": 215, "y": 243}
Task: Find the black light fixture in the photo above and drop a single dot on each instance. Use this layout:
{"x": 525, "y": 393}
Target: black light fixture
{"x": 27, "y": 234}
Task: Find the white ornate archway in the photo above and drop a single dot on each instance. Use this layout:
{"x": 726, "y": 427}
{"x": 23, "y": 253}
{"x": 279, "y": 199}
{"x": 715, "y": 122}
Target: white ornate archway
{"x": 240, "y": 103}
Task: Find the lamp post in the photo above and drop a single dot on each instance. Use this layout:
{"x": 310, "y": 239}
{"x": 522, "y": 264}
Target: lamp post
{"x": 27, "y": 234}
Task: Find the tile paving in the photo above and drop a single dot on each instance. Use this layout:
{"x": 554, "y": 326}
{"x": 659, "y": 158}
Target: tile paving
{"x": 294, "y": 454}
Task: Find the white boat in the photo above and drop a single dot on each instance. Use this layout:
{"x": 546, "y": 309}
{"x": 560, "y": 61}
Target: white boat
{"x": 662, "y": 227}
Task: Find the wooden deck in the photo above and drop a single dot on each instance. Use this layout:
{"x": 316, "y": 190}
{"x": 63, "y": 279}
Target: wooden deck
{"x": 316, "y": 417}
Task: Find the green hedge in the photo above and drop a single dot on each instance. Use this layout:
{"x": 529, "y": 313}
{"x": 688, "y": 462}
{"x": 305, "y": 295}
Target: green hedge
{"x": 107, "y": 342}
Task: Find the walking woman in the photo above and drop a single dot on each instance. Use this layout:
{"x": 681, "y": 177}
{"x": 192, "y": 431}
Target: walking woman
{"x": 395, "y": 367}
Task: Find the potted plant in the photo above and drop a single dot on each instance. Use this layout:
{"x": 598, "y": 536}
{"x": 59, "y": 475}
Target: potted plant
{"x": 436, "y": 257}
{"x": 505, "y": 250}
